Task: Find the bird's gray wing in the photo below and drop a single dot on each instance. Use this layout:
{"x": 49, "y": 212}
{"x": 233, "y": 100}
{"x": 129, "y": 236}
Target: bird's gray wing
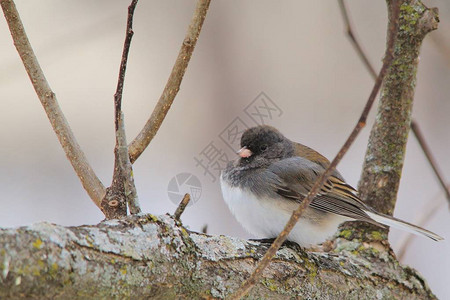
{"x": 293, "y": 178}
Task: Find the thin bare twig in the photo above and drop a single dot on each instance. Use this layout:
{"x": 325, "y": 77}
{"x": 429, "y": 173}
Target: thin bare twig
{"x": 430, "y": 158}
{"x": 182, "y": 206}
{"x": 123, "y": 173}
{"x": 355, "y": 42}
{"x": 75, "y": 155}
{"x": 172, "y": 87}
{"x": 389, "y": 56}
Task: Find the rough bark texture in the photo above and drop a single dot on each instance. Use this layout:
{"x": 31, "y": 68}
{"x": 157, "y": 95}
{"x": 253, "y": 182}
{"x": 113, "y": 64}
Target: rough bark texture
{"x": 114, "y": 204}
{"x": 387, "y": 143}
{"x": 145, "y": 256}
{"x": 123, "y": 181}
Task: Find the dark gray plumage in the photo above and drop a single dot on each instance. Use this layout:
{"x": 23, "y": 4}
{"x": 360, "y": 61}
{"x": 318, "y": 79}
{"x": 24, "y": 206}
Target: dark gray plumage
{"x": 273, "y": 175}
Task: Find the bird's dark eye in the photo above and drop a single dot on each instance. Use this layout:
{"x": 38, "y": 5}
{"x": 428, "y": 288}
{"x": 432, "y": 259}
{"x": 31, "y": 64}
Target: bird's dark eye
{"x": 263, "y": 147}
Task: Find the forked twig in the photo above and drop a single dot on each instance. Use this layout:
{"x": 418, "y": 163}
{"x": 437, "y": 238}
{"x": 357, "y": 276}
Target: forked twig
{"x": 75, "y": 155}
{"x": 389, "y": 56}
{"x": 172, "y": 87}
{"x": 123, "y": 172}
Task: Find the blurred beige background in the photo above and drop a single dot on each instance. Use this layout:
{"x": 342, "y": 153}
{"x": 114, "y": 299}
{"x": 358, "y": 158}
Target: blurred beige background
{"x": 295, "y": 52}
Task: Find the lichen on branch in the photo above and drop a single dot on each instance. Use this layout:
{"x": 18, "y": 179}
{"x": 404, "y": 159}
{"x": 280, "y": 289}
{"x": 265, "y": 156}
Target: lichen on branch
{"x": 385, "y": 154}
{"x": 145, "y": 256}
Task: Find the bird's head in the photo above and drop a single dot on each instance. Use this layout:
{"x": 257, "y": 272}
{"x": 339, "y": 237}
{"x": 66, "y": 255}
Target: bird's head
{"x": 264, "y": 142}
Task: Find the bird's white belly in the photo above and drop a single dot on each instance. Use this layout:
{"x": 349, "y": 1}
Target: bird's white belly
{"x": 266, "y": 218}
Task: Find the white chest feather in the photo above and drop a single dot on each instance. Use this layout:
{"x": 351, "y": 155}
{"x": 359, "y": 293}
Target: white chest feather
{"x": 266, "y": 218}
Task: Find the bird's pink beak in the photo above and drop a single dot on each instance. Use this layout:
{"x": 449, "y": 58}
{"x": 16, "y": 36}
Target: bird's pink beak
{"x": 244, "y": 152}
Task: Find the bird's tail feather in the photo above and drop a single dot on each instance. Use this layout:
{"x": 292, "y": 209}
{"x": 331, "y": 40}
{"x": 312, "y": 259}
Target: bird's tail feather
{"x": 397, "y": 223}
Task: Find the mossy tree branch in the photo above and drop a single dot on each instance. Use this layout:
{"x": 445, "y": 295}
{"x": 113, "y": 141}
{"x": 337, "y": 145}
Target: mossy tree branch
{"x": 414, "y": 125}
{"x": 387, "y": 142}
{"x": 146, "y": 256}
{"x": 143, "y": 256}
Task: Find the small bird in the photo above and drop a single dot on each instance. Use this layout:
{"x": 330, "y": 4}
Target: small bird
{"x": 273, "y": 175}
